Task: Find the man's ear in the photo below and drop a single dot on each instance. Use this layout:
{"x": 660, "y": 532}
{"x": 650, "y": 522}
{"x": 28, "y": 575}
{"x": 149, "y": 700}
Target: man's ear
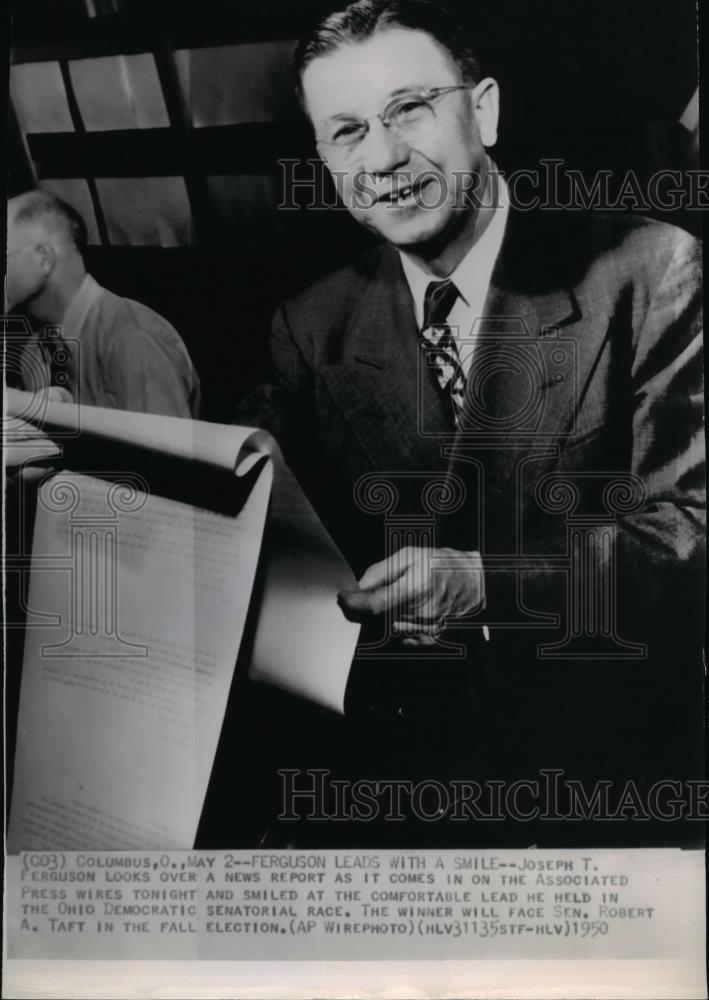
{"x": 486, "y": 97}
{"x": 46, "y": 257}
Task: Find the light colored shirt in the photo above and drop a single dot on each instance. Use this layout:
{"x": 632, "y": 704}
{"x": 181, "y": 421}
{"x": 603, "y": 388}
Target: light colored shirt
{"x": 121, "y": 355}
{"x": 471, "y": 277}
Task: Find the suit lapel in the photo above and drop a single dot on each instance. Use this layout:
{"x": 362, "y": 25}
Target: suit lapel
{"x": 532, "y": 364}
{"x": 374, "y": 372}
{"x": 534, "y": 356}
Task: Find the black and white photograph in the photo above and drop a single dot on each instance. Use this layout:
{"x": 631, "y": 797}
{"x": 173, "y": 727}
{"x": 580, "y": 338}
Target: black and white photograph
{"x": 354, "y": 499}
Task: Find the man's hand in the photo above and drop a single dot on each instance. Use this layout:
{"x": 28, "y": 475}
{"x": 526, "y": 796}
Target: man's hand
{"x": 28, "y": 450}
{"x": 419, "y": 589}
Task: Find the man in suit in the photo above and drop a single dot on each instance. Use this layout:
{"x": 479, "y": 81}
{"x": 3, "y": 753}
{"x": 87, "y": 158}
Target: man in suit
{"x": 498, "y": 417}
{"x": 114, "y": 352}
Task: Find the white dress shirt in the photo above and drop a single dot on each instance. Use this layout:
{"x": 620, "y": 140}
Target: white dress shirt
{"x": 471, "y": 278}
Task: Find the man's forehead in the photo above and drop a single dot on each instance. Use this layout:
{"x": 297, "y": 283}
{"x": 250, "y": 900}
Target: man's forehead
{"x": 361, "y": 75}
{"x": 17, "y": 203}
{"x": 25, "y": 232}
{"x": 17, "y": 229}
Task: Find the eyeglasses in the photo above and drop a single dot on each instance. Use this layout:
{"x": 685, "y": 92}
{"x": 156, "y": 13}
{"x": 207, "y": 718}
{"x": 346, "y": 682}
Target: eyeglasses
{"x": 409, "y": 116}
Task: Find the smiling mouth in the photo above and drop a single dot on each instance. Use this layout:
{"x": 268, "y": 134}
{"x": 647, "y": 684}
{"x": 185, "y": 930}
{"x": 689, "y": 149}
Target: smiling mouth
{"x": 404, "y": 197}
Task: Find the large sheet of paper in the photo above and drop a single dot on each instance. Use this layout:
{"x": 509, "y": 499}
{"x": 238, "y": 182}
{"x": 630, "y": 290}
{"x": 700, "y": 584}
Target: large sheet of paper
{"x": 303, "y": 643}
{"x": 220, "y": 445}
{"x": 123, "y": 698}
{"x": 137, "y": 607}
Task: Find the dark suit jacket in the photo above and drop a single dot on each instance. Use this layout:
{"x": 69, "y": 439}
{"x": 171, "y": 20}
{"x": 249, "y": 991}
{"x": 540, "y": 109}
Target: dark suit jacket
{"x": 580, "y": 459}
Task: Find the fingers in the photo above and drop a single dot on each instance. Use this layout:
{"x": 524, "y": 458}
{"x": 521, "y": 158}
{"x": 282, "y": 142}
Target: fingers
{"x": 17, "y": 401}
{"x": 417, "y": 634}
{"x": 20, "y": 453}
{"x": 419, "y": 626}
{"x": 353, "y": 605}
{"x": 420, "y": 640}
{"x": 383, "y": 587}
{"x": 419, "y": 586}
{"x": 32, "y": 473}
{"x": 17, "y": 429}
{"x": 387, "y": 570}
{"x": 56, "y": 394}
{"x": 360, "y": 604}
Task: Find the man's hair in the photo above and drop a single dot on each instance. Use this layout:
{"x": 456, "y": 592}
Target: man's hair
{"x": 41, "y": 206}
{"x": 364, "y": 18}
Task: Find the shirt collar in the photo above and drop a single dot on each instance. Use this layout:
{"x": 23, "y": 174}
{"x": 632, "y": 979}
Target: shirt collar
{"x": 75, "y": 316}
{"x": 475, "y": 269}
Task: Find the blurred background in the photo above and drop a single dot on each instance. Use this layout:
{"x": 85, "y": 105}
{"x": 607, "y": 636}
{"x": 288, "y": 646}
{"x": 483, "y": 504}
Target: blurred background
{"x": 163, "y": 123}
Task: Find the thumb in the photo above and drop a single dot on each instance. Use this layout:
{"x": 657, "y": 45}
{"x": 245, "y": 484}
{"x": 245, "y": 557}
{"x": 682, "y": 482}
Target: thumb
{"x": 357, "y": 605}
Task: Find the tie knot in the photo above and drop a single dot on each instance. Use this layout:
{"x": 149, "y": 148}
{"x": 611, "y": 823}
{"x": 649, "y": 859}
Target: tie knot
{"x": 438, "y": 302}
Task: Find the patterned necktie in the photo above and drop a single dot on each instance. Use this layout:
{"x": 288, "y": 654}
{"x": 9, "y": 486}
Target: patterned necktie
{"x": 443, "y": 353}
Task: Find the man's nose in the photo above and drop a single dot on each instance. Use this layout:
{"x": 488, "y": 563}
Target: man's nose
{"x": 383, "y": 151}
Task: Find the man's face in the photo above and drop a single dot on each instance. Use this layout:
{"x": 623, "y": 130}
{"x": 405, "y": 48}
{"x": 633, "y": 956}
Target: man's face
{"x": 356, "y": 83}
{"x": 26, "y": 271}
